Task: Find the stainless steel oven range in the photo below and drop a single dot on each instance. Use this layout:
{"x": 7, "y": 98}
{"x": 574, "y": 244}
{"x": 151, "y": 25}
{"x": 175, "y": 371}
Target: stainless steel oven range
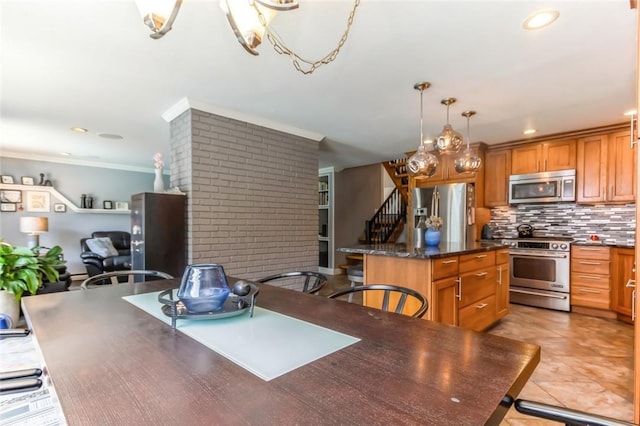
{"x": 540, "y": 272}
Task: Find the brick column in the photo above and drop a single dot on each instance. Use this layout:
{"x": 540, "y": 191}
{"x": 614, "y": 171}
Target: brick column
{"x": 251, "y": 191}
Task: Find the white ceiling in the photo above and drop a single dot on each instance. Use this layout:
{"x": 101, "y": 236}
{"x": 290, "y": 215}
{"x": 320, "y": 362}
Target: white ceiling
{"x": 92, "y": 64}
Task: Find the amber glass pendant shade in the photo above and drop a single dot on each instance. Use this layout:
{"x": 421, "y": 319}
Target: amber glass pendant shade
{"x": 468, "y": 162}
{"x": 422, "y": 162}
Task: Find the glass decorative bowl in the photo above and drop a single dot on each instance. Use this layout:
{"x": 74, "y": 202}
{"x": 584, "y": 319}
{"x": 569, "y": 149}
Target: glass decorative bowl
{"x": 204, "y": 288}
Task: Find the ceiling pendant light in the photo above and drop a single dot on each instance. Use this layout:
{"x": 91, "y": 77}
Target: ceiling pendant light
{"x": 468, "y": 162}
{"x": 158, "y": 15}
{"x": 422, "y": 162}
{"x": 449, "y": 141}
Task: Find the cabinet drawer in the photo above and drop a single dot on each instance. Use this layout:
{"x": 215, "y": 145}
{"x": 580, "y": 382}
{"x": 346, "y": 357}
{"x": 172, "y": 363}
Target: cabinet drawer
{"x": 445, "y": 267}
{"x": 590, "y": 266}
{"x": 601, "y": 253}
{"x": 502, "y": 256}
{"x": 477, "y": 285}
{"x": 590, "y": 297}
{"x": 470, "y": 262}
{"x": 480, "y": 315}
{"x": 590, "y": 280}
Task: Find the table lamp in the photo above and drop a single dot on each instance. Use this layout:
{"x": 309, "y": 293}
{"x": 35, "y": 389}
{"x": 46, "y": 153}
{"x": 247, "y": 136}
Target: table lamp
{"x": 33, "y": 227}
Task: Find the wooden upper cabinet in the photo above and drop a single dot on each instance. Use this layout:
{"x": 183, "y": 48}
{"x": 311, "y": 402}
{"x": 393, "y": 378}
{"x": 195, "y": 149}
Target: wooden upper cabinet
{"x": 606, "y": 169}
{"x": 496, "y": 178}
{"x": 622, "y": 168}
{"x": 591, "y": 169}
{"x": 543, "y": 157}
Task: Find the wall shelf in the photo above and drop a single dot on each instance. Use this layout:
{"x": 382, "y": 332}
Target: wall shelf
{"x": 59, "y": 196}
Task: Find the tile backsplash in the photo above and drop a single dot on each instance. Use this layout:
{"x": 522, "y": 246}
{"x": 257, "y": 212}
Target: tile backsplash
{"x": 614, "y": 224}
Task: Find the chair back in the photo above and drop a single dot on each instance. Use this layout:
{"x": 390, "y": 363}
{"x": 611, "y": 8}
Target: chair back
{"x": 313, "y": 281}
{"x": 113, "y": 277}
{"x": 399, "y": 298}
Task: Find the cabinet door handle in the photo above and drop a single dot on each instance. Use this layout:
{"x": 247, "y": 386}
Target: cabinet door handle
{"x": 585, "y": 290}
{"x": 481, "y": 256}
{"x": 446, "y": 262}
{"x": 459, "y": 281}
{"x": 482, "y": 306}
{"x": 481, "y": 274}
{"x": 589, "y": 249}
{"x": 590, "y": 263}
{"x": 633, "y": 305}
{"x": 590, "y": 277}
{"x": 499, "y": 275}
{"x": 631, "y": 283}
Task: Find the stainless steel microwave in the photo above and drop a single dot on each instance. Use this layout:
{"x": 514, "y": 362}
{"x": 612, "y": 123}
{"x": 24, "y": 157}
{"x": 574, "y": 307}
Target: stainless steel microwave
{"x": 545, "y": 187}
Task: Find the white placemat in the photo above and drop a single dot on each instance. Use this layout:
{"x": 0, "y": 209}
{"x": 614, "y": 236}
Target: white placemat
{"x": 268, "y": 345}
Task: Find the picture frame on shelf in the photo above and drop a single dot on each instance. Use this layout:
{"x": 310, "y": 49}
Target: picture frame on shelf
{"x": 8, "y": 207}
{"x": 107, "y": 205}
{"x": 122, "y": 205}
{"x": 26, "y": 180}
{"x": 10, "y": 196}
{"x": 59, "y": 207}
{"x": 7, "y": 179}
{"x": 38, "y": 201}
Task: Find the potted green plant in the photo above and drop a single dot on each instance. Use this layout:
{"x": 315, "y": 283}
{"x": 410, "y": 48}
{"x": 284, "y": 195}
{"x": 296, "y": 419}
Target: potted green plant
{"x": 22, "y": 269}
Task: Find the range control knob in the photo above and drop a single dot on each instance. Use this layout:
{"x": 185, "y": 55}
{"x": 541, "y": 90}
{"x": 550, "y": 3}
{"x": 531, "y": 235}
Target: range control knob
{"x": 563, "y": 246}
{"x": 554, "y": 246}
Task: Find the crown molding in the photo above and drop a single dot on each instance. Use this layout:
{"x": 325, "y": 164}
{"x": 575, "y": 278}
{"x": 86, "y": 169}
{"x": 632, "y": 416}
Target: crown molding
{"x": 185, "y": 104}
{"x": 75, "y": 162}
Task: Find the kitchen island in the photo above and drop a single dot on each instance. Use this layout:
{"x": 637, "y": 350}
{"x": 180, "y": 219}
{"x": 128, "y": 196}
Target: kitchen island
{"x": 465, "y": 284}
{"x": 114, "y": 363}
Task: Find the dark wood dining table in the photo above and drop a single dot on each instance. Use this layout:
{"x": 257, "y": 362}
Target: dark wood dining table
{"x": 112, "y": 363}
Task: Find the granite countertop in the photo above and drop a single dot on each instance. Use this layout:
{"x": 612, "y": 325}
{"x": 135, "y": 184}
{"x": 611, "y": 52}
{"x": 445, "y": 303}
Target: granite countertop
{"x": 603, "y": 243}
{"x": 444, "y": 249}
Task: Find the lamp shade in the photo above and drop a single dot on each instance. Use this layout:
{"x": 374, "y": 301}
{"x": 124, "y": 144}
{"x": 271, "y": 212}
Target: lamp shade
{"x": 34, "y": 225}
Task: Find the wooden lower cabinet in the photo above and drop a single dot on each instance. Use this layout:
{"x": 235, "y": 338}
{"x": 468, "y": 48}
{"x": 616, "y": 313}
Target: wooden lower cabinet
{"x": 479, "y": 315}
{"x": 444, "y": 301}
{"x": 622, "y": 271}
{"x": 502, "y": 283}
{"x": 590, "y": 280}
{"x": 469, "y": 290}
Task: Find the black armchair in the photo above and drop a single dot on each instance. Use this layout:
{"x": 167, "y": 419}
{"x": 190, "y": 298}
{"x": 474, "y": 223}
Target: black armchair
{"x": 98, "y": 263}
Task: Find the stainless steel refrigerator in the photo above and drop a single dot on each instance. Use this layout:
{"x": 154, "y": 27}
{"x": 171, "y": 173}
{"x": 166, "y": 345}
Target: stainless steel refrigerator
{"x": 456, "y": 208}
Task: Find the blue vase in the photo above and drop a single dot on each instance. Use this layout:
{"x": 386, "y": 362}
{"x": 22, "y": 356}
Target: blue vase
{"x": 432, "y": 237}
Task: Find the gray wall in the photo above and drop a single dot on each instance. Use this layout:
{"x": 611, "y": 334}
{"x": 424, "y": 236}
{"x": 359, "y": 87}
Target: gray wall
{"x": 66, "y": 229}
{"x": 252, "y": 194}
{"x": 358, "y": 195}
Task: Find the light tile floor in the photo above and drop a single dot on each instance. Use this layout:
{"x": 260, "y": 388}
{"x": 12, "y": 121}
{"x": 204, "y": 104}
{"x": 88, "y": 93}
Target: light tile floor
{"x": 586, "y": 362}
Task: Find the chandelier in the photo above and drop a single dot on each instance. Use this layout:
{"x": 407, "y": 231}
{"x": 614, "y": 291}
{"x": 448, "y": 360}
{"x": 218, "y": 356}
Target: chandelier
{"x": 422, "y": 162}
{"x": 449, "y": 141}
{"x": 468, "y": 162}
{"x": 250, "y": 21}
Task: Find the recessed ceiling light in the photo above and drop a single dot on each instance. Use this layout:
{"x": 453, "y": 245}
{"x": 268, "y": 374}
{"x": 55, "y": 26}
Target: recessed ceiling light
{"x": 540, "y": 19}
{"x": 631, "y": 112}
{"x": 529, "y": 132}
{"x": 79, "y": 130}
{"x": 110, "y": 136}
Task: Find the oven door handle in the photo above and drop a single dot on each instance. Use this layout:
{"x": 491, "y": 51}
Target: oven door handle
{"x": 530, "y": 254}
{"x": 533, "y": 293}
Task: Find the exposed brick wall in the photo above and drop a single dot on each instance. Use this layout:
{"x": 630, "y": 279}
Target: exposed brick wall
{"x": 252, "y": 194}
